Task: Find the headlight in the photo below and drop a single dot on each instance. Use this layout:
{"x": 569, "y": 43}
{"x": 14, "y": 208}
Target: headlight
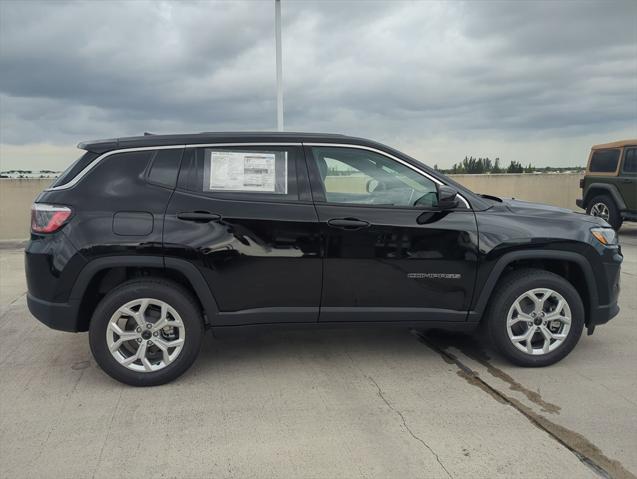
{"x": 605, "y": 236}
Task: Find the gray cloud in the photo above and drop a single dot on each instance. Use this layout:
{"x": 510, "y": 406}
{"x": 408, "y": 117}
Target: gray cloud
{"x": 436, "y": 78}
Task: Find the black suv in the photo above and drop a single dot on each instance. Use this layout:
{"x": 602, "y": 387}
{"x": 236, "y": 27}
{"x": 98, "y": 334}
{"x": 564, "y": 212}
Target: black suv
{"x": 146, "y": 242}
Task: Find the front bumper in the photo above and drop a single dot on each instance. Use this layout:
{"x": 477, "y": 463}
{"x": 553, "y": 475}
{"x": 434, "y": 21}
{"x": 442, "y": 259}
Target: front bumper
{"x": 603, "y": 313}
{"x": 580, "y": 203}
{"x": 60, "y": 316}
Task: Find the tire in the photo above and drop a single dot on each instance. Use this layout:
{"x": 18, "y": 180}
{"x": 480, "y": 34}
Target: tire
{"x": 604, "y": 206}
{"x": 504, "y": 305}
{"x": 183, "y": 328}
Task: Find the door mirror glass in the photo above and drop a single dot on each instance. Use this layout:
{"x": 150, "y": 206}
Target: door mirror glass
{"x": 447, "y": 197}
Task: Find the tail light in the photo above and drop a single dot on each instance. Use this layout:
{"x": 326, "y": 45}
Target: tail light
{"x": 581, "y": 183}
{"x": 48, "y": 218}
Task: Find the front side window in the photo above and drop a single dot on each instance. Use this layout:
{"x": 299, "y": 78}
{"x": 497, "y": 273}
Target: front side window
{"x": 630, "y": 161}
{"x": 355, "y": 176}
{"x": 268, "y": 172}
{"x": 604, "y": 161}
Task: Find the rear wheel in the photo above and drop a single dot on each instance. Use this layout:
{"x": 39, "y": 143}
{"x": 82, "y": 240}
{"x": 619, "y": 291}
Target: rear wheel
{"x": 146, "y": 332}
{"x": 604, "y": 207}
{"x": 536, "y": 317}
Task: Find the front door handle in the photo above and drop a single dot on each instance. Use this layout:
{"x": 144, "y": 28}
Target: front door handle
{"x": 627, "y": 180}
{"x": 198, "y": 216}
{"x": 351, "y": 224}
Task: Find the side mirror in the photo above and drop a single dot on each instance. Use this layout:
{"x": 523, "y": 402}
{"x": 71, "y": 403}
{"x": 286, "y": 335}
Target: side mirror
{"x": 447, "y": 197}
{"x": 371, "y": 185}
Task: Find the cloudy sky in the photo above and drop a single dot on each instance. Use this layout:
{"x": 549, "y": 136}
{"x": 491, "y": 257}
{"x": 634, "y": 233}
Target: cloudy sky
{"x": 529, "y": 81}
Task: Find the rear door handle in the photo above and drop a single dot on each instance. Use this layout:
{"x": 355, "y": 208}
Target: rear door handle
{"x": 348, "y": 223}
{"x": 198, "y": 216}
{"x": 627, "y": 180}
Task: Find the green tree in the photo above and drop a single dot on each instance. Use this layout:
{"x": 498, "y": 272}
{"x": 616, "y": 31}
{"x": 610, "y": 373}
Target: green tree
{"x": 515, "y": 167}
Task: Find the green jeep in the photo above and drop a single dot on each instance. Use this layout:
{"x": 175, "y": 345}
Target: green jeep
{"x": 609, "y": 187}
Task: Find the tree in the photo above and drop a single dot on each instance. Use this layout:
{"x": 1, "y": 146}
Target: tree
{"x": 515, "y": 167}
{"x": 496, "y": 166}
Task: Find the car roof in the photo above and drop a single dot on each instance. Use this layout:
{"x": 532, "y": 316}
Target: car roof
{"x": 614, "y": 144}
{"x": 150, "y": 140}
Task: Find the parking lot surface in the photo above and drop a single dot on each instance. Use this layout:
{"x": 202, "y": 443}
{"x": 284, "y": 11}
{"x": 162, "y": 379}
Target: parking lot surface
{"x": 320, "y": 404}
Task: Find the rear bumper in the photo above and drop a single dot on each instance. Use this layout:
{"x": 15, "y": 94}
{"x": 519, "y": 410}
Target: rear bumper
{"x": 60, "y": 316}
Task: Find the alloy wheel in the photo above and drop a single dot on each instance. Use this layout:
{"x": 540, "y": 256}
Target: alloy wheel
{"x": 145, "y": 335}
{"x": 539, "y": 321}
{"x": 601, "y": 210}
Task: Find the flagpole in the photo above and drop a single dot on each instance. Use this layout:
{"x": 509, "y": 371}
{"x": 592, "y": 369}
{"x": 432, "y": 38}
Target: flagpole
{"x": 279, "y": 66}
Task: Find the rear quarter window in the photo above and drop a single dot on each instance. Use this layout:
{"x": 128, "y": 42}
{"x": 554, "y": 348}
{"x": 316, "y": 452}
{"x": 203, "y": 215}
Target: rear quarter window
{"x": 74, "y": 168}
{"x": 604, "y": 161}
{"x": 118, "y": 174}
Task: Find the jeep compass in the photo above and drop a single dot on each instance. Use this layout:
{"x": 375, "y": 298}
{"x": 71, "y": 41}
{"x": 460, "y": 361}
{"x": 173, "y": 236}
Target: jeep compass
{"x": 146, "y": 242}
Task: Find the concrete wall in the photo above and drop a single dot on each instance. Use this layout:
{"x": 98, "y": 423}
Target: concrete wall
{"x": 16, "y": 196}
{"x": 553, "y": 189}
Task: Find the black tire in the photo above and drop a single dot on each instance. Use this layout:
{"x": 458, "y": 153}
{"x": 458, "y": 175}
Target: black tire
{"x": 512, "y": 286}
{"x": 167, "y": 291}
{"x": 614, "y": 217}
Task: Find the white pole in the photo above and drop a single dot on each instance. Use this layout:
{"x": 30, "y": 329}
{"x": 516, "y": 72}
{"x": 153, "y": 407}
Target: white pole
{"x": 279, "y": 66}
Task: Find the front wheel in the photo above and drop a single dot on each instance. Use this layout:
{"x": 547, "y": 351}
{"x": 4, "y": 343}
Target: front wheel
{"x": 146, "y": 332}
{"x": 536, "y": 317}
{"x": 604, "y": 207}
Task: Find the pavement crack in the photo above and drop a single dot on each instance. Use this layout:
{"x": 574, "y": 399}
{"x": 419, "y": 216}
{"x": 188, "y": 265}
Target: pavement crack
{"x": 18, "y": 298}
{"x": 406, "y": 426}
{"x": 15, "y": 300}
{"x": 589, "y": 454}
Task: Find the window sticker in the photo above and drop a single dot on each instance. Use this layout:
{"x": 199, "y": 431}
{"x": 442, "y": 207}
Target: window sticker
{"x": 236, "y": 171}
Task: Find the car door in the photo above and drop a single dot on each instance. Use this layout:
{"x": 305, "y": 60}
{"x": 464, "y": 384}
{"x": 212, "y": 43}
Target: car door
{"x": 628, "y": 178}
{"x": 390, "y": 254}
{"x": 243, "y": 215}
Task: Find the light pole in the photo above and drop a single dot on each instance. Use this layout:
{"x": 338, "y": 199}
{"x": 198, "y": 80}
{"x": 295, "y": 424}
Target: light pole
{"x": 279, "y": 66}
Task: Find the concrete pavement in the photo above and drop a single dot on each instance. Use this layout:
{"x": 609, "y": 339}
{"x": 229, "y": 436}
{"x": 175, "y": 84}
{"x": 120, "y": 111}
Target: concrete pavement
{"x": 338, "y": 403}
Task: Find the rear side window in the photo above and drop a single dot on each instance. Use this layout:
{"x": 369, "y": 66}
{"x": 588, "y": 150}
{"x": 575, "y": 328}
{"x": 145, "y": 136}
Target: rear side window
{"x": 630, "y": 160}
{"x": 255, "y": 172}
{"x": 165, "y": 167}
{"x": 604, "y": 161}
{"x": 75, "y": 167}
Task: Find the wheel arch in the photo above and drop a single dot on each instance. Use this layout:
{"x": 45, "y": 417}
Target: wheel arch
{"x": 595, "y": 189}
{"x": 585, "y": 286}
{"x": 102, "y": 274}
